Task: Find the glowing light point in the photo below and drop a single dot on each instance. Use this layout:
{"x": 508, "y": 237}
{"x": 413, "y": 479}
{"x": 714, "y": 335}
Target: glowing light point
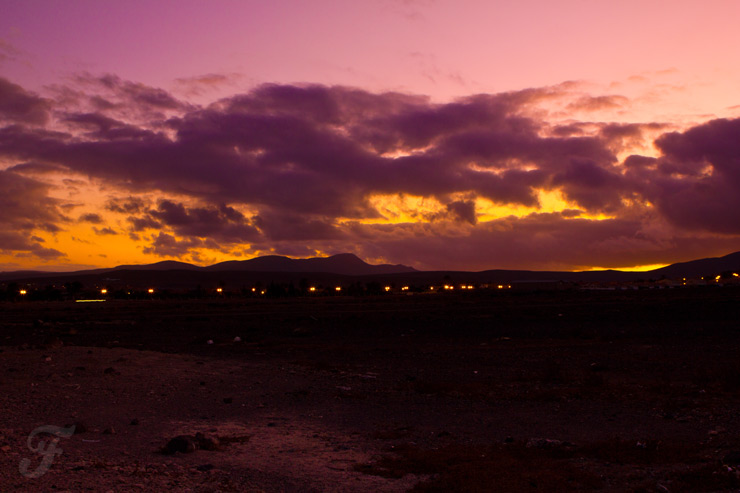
{"x": 387, "y": 288}
{"x": 219, "y": 290}
{"x": 23, "y": 292}
{"x": 150, "y": 291}
{"x": 312, "y": 289}
{"x": 405, "y": 288}
{"x": 338, "y": 288}
{"x": 103, "y": 291}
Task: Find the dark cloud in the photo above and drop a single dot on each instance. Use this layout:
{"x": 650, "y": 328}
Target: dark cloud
{"x": 105, "y": 231}
{"x": 307, "y": 160}
{"x": 464, "y": 210}
{"x": 221, "y": 223}
{"x": 166, "y": 245}
{"x": 133, "y": 93}
{"x": 25, "y": 206}
{"x": 295, "y": 227}
{"x": 142, "y": 223}
{"x": 91, "y": 218}
{"x": 128, "y": 205}
{"x": 537, "y": 242}
{"x": 36, "y": 168}
{"x": 696, "y": 181}
{"x": 597, "y": 103}
{"x": 19, "y": 105}
{"x": 323, "y": 150}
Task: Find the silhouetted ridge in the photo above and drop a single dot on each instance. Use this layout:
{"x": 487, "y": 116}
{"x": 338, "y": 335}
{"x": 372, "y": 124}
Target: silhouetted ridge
{"x": 343, "y": 263}
{"x": 701, "y": 267}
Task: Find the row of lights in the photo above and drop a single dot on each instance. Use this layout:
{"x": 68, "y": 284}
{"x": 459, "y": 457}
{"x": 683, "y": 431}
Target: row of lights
{"x": 312, "y": 289}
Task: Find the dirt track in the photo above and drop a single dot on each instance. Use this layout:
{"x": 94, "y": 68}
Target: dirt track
{"x": 550, "y": 391}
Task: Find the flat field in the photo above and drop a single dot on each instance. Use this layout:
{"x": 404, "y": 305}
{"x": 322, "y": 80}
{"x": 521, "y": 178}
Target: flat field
{"x": 482, "y": 391}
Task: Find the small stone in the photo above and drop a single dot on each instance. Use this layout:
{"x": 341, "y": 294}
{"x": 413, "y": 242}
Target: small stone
{"x": 228, "y": 400}
{"x": 110, "y": 371}
{"x": 183, "y": 443}
{"x": 109, "y": 431}
{"x": 206, "y": 442}
{"x": 597, "y": 367}
{"x": 205, "y": 467}
{"x": 547, "y": 443}
{"x": 134, "y": 422}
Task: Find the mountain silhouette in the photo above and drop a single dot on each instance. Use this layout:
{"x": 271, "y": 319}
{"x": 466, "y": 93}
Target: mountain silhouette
{"x": 348, "y": 267}
{"x": 344, "y": 263}
{"x": 701, "y": 267}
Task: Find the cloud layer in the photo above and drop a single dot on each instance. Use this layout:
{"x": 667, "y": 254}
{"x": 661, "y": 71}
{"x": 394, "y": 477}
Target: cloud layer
{"x": 301, "y": 169}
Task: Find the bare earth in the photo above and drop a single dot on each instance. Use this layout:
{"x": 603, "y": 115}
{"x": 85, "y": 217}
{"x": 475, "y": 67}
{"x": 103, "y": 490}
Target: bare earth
{"x": 615, "y": 391}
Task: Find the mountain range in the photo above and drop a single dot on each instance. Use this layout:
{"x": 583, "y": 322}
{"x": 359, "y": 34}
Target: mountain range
{"x": 347, "y": 267}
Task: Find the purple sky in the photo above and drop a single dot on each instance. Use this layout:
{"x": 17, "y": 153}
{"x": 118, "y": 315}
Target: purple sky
{"x": 439, "y": 134}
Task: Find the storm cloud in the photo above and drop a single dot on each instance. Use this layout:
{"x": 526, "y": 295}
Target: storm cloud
{"x": 293, "y": 167}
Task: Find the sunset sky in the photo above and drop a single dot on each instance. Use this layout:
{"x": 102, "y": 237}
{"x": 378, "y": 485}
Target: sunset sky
{"x": 466, "y": 135}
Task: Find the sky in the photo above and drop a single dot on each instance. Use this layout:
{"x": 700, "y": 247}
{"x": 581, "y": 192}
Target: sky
{"x": 464, "y": 135}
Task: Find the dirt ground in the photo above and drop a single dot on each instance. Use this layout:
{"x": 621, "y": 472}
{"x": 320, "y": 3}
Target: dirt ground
{"x": 560, "y": 391}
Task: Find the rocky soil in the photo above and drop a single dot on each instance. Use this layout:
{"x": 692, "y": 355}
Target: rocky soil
{"x": 542, "y": 392}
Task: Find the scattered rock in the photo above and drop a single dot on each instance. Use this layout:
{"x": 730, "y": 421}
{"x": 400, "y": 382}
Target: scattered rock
{"x": 597, "y": 367}
{"x": 109, "y": 431}
{"x": 237, "y": 339}
{"x": 184, "y": 444}
{"x": 547, "y": 443}
{"x": 209, "y": 341}
{"x": 187, "y": 444}
{"x": 134, "y": 422}
{"x": 206, "y": 442}
{"x": 111, "y": 371}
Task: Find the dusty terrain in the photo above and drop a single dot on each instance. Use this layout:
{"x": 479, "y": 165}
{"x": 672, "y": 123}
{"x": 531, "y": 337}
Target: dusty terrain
{"x": 612, "y": 391}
